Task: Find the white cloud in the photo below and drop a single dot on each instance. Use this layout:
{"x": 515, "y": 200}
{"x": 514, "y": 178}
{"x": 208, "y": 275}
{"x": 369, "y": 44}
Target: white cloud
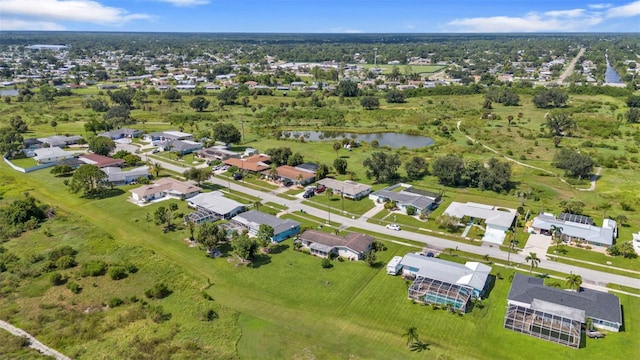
{"x": 86, "y": 11}
{"x": 185, "y": 2}
{"x": 599, "y": 6}
{"x": 629, "y": 10}
{"x": 531, "y": 22}
{"x": 343, "y": 30}
{"x": 17, "y": 24}
{"x": 565, "y": 13}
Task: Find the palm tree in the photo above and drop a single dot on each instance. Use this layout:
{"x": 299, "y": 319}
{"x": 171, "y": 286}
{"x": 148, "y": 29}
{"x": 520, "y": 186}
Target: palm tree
{"x": 411, "y": 335}
{"x": 574, "y": 281}
{"x": 156, "y": 168}
{"x": 534, "y": 260}
{"x": 556, "y": 235}
{"x": 419, "y": 346}
{"x": 256, "y": 205}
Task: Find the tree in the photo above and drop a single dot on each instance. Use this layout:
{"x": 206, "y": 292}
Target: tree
{"x": 340, "y": 165}
{"x": 244, "y": 247}
{"x": 550, "y": 98}
{"x": 18, "y": 124}
{"x": 156, "y": 168}
{"x": 337, "y": 145}
{"x": 228, "y": 96}
{"x": 226, "y": 133}
{"x": 559, "y": 122}
{"x": 199, "y": 103}
{"x": 633, "y": 101}
{"x": 449, "y": 222}
{"x": 322, "y": 171}
{"x": 633, "y": 115}
{"x": 209, "y": 235}
{"x": 164, "y": 215}
{"x": 347, "y": 88}
{"x": 279, "y": 156}
{"x": 54, "y": 125}
{"x": 575, "y": 164}
{"x": 98, "y": 105}
{"x": 556, "y": 141}
{"x": 394, "y": 97}
{"x": 382, "y": 167}
{"x": 61, "y": 170}
{"x": 370, "y": 102}
{"x": 533, "y": 259}
{"x": 416, "y": 168}
{"x": 295, "y": 159}
{"x": 172, "y": 95}
{"x": 117, "y": 116}
{"x": 572, "y": 206}
{"x": 411, "y": 334}
{"x": 89, "y": 179}
{"x": 574, "y": 281}
{"x": 197, "y": 175}
{"x": 131, "y": 160}
{"x": 101, "y": 145}
{"x": 496, "y": 176}
{"x": 265, "y": 235}
{"x": 123, "y": 97}
{"x": 10, "y": 141}
{"x": 370, "y": 258}
{"x": 556, "y": 235}
{"x": 46, "y": 94}
{"x": 449, "y": 170}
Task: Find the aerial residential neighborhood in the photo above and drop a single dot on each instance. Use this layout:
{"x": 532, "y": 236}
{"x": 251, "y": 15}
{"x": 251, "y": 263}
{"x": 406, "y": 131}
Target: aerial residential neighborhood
{"x": 319, "y": 195}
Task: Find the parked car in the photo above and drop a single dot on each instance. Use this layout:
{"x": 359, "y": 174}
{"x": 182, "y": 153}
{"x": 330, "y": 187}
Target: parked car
{"x": 237, "y": 176}
{"x": 307, "y": 194}
{"x": 395, "y": 227}
{"x": 215, "y": 168}
{"x": 287, "y": 182}
{"x": 320, "y": 189}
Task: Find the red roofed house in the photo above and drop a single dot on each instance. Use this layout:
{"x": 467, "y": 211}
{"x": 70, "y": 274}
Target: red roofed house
{"x": 100, "y": 160}
{"x": 165, "y": 187}
{"x": 253, "y": 163}
{"x": 301, "y": 177}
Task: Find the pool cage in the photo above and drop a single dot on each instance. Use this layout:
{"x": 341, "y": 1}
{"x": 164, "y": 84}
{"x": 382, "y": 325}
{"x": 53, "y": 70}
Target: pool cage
{"x": 544, "y": 325}
{"x": 431, "y": 291}
{"x": 200, "y": 216}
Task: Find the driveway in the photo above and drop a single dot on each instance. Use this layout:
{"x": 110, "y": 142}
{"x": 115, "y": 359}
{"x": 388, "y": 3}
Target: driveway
{"x": 538, "y": 244}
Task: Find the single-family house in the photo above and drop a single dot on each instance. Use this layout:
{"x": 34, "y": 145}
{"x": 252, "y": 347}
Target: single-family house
{"x": 348, "y": 189}
{"x": 100, "y": 161}
{"x": 51, "y": 155}
{"x": 282, "y": 228}
{"x": 31, "y": 144}
{"x": 296, "y": 176}
{"x": 121, "y": 133}
{"x": 163, "y": 136}
{"x": 557, "y": 315}
{"x": 422, "y": 201}
{"x": 572, "y": 230}
{"x": 185, "y": 146}
{"x": 219, "y": 152}
{"x": 254, "y": 163}
{"x": 117, "y": 176}
{"x": 213, "y": 206}
{"x": 61, "y": 141}
{"x": 497, "y": 220}
{"x": 353, "y": 246}
{"x": 164, "y": 187}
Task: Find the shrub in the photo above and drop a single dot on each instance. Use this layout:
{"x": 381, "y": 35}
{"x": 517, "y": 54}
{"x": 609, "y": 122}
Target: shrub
{"x": 158, "y": 291}
{"x": 131, "y": 268}
{"x": 206, "y": 296}
{"x": 326, "y": 263}
{"x": 115, "y": 302}
{"x": 65, "y": 262}
{"x": 210, "y": 315}
{"x": 74, "y": 287}
{"x": 56, "y": 279}
{"x": 157, "y": 313}
{"x": 93, "y": 268}
{"x": 61, "y": 251}
{"x": 117, "y": 273}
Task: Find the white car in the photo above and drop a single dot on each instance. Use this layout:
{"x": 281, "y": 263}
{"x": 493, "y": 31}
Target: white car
{"x": 393, "y": 227}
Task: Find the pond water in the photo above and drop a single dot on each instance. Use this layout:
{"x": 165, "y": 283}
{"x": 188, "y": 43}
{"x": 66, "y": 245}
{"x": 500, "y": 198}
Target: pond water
{"x": 9, "y": 92}
{"x": 611, "y": 76}
{"x": 395, "y": 140}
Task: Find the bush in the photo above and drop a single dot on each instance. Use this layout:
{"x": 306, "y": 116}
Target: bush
{"x": 74, "y": 287}
{"x": 157, "y": 313}
{"x": 93, "y": 268}
{"x": 115, "y": 302}
{"x": 158, "y": 291}
{"x": 210, "y": 315}
{"x": 131, "y": 268}
{"x": 56, "y": 279}
{"x": 117, "y": 273}
{"x": 61, "y": 251}
{"x": 65, "y": 262}
{"x": 206, "y": 296}
{"x": 326, "y": 263}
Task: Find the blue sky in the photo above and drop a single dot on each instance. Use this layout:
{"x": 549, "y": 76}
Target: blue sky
{"x": 327, "y": 16}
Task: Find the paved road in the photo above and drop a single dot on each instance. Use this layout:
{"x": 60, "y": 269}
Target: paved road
{"x": 588, "y": 275}
{"x": 569, "y": 68}
{"x": 34, "y": 343}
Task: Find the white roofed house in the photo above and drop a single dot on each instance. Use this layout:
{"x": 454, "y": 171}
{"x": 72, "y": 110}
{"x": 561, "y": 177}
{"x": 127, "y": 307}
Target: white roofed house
{"x": 422, "y": 201}
{"x": 578, "y": 228}
{"x": 51, "y": 155}
{"x": 444, "y": 282}
{"x": 117, "y": 176}
{"x": 497, "y": 220}
{"x": 213, "y": 206}
{"x": 348, "y": 189}
{"x": 164, "y": 188}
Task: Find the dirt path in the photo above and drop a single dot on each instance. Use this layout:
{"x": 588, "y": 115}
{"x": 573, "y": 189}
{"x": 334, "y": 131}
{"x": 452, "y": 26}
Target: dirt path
{"x": 34, "y": 343}
{"x": 593, "y": 178}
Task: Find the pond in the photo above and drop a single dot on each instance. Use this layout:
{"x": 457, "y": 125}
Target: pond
{"x": 9, "y": 92}
{"x": 394, "y": 140}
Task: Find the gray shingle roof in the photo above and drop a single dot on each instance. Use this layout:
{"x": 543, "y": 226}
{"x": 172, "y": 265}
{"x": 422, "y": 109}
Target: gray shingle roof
{"x": 255, "y": 218}
{"x": 405, "y": 198}
{"x": 595, "y": 304}
{"x": 472, "y": 274}
{"x": 592, "y": 233}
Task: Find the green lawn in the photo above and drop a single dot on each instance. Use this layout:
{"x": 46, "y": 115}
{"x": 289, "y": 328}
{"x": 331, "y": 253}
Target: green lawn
{"x": 597, "y": 257}
{"x": 351, "y": 207}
